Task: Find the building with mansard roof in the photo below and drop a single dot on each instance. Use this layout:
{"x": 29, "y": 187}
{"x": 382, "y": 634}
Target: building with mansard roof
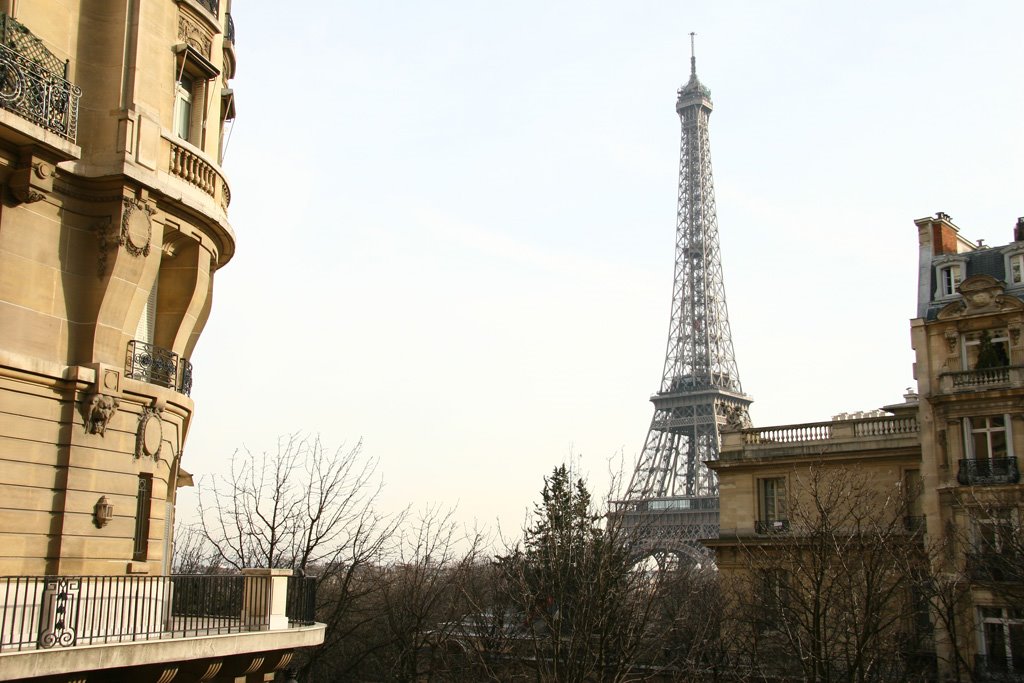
{"x": 935, "y": 479}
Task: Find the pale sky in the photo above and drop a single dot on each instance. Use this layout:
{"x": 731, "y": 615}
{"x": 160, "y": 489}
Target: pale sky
{"x": 455, "y": 220}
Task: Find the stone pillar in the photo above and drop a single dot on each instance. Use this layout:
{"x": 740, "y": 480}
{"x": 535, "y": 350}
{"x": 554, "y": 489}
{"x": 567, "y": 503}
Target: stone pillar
{"x": 264, "y": 597}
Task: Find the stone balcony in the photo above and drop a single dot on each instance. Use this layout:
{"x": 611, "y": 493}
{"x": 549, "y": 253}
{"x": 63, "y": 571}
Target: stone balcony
{"x": 820, "y": 438}
{"x": 1007, "y": 377}
{"x": 63, "y": 624}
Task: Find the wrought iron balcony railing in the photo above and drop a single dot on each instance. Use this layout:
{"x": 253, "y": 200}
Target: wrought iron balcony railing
{"x": 212, "y": 5}
{"x": 974, "y": 472}
{"x": 775, "y": 526}
{"x": 43, "y": 612}
{"x": 38, "y": 95}
{"x": 229, "y": 27}
{"x": 157, "y": 365}
{"x": 990, "y": 565}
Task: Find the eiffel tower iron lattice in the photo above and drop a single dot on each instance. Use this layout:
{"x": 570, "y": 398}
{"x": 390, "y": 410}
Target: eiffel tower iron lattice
{"x": 672, "y": 499}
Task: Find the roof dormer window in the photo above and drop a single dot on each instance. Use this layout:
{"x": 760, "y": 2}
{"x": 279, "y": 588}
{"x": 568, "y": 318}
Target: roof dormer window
{"x": 950, "y": 277}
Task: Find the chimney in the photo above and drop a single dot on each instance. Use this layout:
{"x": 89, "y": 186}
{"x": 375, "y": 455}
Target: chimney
{"x": 943, "y": 234}
{"x": 1018, "y": 230}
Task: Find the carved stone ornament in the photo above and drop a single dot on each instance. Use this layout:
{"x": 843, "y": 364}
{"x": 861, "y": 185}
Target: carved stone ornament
{"x": 736, "y": 419}
{"x": 30, "y": 183}
{"x": 150, "y": 437}
{"x": 952, "y": 336}
{"x": 981, "y": 294}
{"x": 97, "y": 411}
{"x": 192, "y": 33}
{"x": 136, "y": 226}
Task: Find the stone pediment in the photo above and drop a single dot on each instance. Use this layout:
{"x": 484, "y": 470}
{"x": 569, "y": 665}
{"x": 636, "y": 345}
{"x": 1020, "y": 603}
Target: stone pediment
{"x": 980, "y": 295}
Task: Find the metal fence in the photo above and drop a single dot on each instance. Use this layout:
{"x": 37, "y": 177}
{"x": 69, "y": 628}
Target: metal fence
{"x": 65, "y": 611}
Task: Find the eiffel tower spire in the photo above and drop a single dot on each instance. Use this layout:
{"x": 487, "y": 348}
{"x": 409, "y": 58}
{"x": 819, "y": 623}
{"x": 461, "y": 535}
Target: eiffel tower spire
{"x": 700, "y": 384}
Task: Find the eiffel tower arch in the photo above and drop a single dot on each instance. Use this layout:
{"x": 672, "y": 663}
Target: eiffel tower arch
{"x": 672, "y": 499}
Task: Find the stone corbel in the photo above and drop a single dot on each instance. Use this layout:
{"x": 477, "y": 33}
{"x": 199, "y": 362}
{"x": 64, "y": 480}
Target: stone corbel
{"x": 31, "y": 181}
{"x": 97, "y": 411}
{"x": 952, "y": 336}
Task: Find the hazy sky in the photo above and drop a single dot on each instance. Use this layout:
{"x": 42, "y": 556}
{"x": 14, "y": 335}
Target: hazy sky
{"x": 455, "y": 220}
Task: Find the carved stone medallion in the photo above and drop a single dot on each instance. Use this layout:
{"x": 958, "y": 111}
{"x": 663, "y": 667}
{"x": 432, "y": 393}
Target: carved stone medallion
{"x": 150, "y": 437}
{"x": 136, "y": 227}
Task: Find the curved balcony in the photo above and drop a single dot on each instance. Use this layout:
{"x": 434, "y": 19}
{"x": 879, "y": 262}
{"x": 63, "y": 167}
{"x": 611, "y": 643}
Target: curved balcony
{"x": 159, "y": 366}
{"x": 190, "y": 166}
{"x": 53, "y": 612}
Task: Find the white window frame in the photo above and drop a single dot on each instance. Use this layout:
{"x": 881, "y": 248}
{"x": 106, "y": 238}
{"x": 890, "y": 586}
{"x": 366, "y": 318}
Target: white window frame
{"x": 779, "y": 511}
{"x": 1005, "y": 620}
{"x": 974, "y": 425}
{"x": 1014, "y": 265}
{"x": 184, "y": 88}
{"x": 1016, "y": 269}
{"x": 950, "y": 277}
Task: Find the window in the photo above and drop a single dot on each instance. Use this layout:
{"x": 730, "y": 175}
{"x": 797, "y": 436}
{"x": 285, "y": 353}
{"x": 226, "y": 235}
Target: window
{"x": 987, "y": 437}
{"x": 914, "y": 519}
{"x": 986, "y": 349}
{"x": 772, "y": 505}
{"x": 192, "y": 75}
{"x": 949, "y": 279}
{"x": 142, "y": 507}
{"x": 774, "y": 589}
{"x": 994, "y": 533}
{"x": 1017, "y": 269}
{"x": 183, "y": 107}
{"x": 1002, "y": 635}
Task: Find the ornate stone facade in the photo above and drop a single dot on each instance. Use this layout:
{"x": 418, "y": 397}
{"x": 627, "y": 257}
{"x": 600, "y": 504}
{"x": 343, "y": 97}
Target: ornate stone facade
{"x": 108, "y": 243}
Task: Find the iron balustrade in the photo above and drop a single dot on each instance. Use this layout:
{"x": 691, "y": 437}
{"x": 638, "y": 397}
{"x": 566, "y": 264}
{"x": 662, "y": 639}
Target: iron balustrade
{"x": 775, "y": 526}
{"x": 301, "y": 605}
{"x": 991, "y": 565}
{"x": 229, "y": 27}
{"x": 42, "y": 612}
{"x": 17, "y": 37}
{"x": 988, "y": 471}
{"x": 212, "y": 5}
{"x": 157, "y": 365}
{"x": 38, "y": 95}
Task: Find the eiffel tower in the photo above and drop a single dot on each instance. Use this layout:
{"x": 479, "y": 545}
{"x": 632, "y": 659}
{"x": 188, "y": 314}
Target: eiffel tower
{"x": 672, "y": 499}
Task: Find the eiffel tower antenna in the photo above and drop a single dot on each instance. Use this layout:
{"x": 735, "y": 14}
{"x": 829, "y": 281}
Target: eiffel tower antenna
{"x": 672, "y": 499}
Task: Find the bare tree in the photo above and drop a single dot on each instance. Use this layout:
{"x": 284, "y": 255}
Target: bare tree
{"x": 310, "y": 510}
{"x": 830, "y": 600}
{"x": 193, "y": 553}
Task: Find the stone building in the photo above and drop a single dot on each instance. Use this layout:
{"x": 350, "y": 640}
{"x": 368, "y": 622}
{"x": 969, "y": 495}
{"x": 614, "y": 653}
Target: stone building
{"x": 940, "y": 471}
{"x": 113, "y": 222}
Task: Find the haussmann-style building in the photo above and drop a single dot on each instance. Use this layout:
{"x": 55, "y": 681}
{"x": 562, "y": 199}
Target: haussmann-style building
{"x": 113, "y": 223}
{"x": 941, "y": 473}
